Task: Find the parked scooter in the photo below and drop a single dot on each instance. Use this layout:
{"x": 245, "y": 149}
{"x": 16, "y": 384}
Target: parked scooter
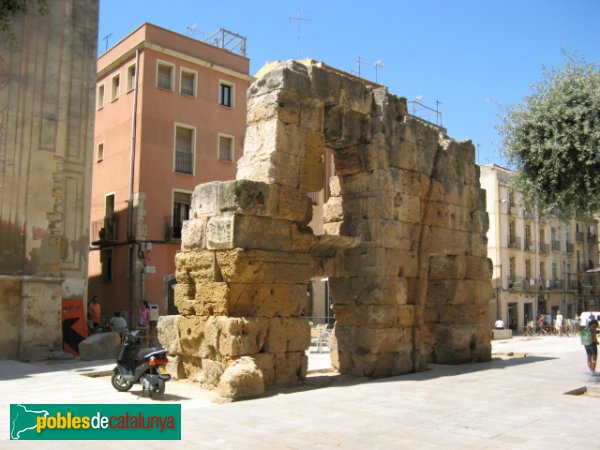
{"x": 140, "y": 365}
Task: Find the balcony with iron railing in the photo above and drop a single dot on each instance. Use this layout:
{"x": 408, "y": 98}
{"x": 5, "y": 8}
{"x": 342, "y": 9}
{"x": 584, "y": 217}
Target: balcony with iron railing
{"x": 554, "y": 283}
{"x": 544, "y": 247}
{"x": 572, "y": 284}
{"x": 173, "y": 227}
{"x": 528, "y": 215}
{"x": 514, "y": 242}
{"x": 106, "y": 230}
{"x": 592, "y": 238}
{"x": 556, "y": 246}
{"x": 184, "y": 162}
{"x": 529, "y": 245}
{"x": 579, "y": 236}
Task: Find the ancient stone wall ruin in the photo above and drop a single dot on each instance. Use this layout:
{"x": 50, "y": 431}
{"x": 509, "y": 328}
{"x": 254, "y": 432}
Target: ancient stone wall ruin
{"x": 404, "y": 245}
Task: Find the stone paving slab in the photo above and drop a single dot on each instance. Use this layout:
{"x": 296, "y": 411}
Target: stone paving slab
{"x": 517, "y": 403}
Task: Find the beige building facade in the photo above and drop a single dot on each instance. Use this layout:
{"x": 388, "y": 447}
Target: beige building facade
{"x": 539, "y": 263}
{"x": 46, "y": 131}
{"x": 170, "y": 114}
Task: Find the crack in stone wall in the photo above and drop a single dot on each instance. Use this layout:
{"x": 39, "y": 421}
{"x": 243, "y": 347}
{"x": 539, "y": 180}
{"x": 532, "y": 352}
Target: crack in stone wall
{"x": 404, "y": 245}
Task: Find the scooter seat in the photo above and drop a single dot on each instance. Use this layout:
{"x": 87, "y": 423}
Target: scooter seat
{"x": 142, "y": 352}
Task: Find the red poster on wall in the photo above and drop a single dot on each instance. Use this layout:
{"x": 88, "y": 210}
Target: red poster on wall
{"x": 74, "y": 325}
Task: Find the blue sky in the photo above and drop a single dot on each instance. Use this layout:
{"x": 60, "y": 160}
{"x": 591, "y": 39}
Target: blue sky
{"x": 473, "y": 55}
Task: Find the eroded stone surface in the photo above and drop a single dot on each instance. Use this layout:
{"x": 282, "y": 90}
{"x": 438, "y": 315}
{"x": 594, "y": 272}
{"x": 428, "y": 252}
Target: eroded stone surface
{"x": 404, "y": 245}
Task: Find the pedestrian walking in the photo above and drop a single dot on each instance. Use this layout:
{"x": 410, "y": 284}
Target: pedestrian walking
{"x": 589, "y": 339}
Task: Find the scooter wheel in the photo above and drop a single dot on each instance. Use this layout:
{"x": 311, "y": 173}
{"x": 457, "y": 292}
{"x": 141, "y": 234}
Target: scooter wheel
{"x": 119, "y": 383}
{"x": 158, "y": 389}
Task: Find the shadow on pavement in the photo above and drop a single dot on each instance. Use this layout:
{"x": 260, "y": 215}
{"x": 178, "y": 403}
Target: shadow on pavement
{"x": 334, "y": 379}
{"x": 10, "y": 369}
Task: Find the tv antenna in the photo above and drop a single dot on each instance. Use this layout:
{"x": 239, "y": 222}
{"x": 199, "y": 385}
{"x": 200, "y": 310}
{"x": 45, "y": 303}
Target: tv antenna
{"x": 193, "y": 30}
{"x": 359, "y": 62}
{"x": 105, "y": 39}
{"x": 378, "y": 65}
{"x": 299, "y": 19}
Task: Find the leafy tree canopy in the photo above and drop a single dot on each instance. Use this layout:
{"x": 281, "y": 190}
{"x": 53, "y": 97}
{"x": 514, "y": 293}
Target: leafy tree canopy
{"x": 552, "y": 139}
{"x": 9, "y": 9}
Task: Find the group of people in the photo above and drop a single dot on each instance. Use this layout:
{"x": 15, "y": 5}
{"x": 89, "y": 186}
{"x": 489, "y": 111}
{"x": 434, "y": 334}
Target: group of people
{"x": 117, "y": 322}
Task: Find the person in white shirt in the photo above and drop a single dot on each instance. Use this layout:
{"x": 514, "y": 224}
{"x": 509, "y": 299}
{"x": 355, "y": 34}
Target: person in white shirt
{"x": 499, "y": 324}
{"x": 558, "y": 323}
{"x": 118, "y": 324}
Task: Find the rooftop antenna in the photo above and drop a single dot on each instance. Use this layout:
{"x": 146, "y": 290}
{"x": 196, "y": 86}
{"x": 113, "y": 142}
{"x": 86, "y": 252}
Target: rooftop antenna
{"x": 105, "y": 39}
{"x": 438, "y": 114}
{"x": 359, "y": 62}
{"x": 193, "y": 30}
{"x": 378, "y": 65}
{"x": 298, "y": 19}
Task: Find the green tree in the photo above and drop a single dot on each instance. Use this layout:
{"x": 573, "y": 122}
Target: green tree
{"x": 552, "y": 139}
{"x": 9, "y": 9}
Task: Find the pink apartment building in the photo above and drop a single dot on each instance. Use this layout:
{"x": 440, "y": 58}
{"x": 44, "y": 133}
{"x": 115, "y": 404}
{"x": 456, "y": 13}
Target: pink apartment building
{"x": 171, "y": 114}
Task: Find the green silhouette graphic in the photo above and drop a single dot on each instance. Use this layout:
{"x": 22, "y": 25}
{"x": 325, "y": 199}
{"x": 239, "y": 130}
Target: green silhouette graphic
{"x": 23, "y": 420}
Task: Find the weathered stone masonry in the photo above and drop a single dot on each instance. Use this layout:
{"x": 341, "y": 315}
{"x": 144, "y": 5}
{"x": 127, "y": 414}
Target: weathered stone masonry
{"x": 404, "y": 245}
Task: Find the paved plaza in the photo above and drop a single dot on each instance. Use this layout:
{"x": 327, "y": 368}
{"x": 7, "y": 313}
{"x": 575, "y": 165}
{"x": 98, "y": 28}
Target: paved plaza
{"x": 516, "y": 401}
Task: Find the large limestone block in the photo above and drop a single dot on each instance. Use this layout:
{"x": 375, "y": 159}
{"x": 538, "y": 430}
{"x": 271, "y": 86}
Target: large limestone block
{"x": 446, "y": 215}
{"x": 376, "y": 365}
{"x": 287, "y": 335}
{"x": 368, "y": 291}
{"x": 366, "y": 260}
{"x": 211, "y": 372}
{"x": 234, "y": 336}
{"x": 249, "y": 232}
{"x": 100, "y": 346}
{"x": 447, "y": 267}
{"x": 193, "y": 234}
{"x": 242, "y": 379}
{"x": 184, "y": 296}
{"x": 375, "y": 316}
{"x": 456, "y": 314}
{"x": 456, "y": 344}
{"x": 374, "y": 340}
{"x": 191, "y": 334}
{"x": 459, "y": 292}
{"x": 212, "y": 298}
{"x": 251, "y": 198}
{"x": 446, "y": 241}
{"x": 273, "y": 167}
{"x": 401, "y": 263}
{"x": 267, "y": 300}
{"x": 168, "y": 333}
{"x": 412, "y": 147}
{"x": 259, "y": 266}
{"x": 290, "y": 367}
{"x": 283, "y": 104}
{"x": 222, "y": 338}
{"x": 478, "y": 268}
{"x": 345, "y": 128}
{"x": 289, "y": 75}
{"x": 457, "y": 193}
{"x": 192, "y": 266}
{"x": 312, "y": 166}
{"x": 266, "y": 364}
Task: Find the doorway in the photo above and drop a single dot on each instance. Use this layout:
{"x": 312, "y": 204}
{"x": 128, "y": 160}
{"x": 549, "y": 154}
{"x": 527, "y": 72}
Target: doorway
{"x": 512, "y": 316}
